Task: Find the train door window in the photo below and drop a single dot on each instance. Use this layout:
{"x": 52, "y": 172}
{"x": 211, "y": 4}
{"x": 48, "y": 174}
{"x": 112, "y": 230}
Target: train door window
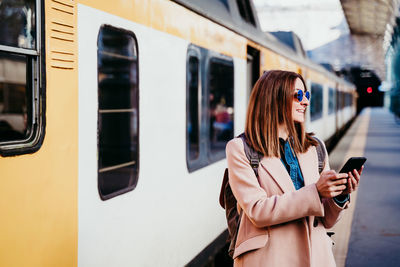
{"x": 220, "y": 106}
{"x": 21, "y": 109}
{"x": 316, "y": 101}
{"x": 118, "y": 114}
{"x": 332, "y": 101}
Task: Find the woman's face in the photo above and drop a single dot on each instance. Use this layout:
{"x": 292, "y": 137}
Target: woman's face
{"x": 299, "y": 108}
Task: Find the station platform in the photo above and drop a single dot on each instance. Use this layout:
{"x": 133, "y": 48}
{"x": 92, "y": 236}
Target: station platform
{"x": 368, "y": 234}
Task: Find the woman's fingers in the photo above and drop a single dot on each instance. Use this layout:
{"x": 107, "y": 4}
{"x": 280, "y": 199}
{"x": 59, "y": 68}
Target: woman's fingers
{"x": 341, "y": 175}
{"x": 340, "y": 181}
{"x": 340, "y": 188}
{"x": 356, "y": 175}
{"x": 356, "y": 179}
{"x": 351, "y": 183}
{"x": 332, "y": 184}
{"x": 361, "y": 170}
{"x": 355, "y": 182}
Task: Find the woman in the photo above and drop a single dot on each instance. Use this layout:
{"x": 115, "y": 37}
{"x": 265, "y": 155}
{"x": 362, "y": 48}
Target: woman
{"x": 289, "y": 207}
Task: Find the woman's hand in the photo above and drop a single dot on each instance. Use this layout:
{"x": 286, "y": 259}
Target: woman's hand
{"x": 353, "y": 181}
{"x": 331, "y": 184}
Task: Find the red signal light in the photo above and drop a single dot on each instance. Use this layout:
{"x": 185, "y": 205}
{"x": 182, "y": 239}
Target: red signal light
{"x": 369, "y": 90}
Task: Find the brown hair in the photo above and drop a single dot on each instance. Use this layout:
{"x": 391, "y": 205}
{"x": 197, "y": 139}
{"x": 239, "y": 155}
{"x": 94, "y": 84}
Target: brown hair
{"x": 271, "y": 105}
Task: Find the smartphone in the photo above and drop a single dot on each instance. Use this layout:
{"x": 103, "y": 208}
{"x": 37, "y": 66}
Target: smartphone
{"x": 353, "y": 163}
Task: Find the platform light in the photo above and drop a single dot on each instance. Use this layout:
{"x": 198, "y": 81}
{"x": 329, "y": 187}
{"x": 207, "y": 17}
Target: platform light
{"x": 369, "y": 90}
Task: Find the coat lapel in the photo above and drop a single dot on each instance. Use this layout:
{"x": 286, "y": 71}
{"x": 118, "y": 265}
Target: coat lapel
{"x": 278, "y": 172}
{"x": 308, "y": 162}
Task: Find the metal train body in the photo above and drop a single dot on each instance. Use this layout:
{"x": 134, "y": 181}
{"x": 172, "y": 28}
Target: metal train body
{"x": 55, "y": 212}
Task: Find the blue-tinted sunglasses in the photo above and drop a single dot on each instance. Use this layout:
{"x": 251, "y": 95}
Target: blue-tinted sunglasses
{"x": 299, "y": 95}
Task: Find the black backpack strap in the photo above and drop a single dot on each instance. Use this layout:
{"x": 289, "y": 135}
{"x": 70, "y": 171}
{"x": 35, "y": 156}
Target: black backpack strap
{"x": 253, "y": 156}
{"x": 321, "y": 155}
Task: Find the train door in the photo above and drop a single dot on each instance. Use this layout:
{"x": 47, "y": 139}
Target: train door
{"x": 253, "y": 68}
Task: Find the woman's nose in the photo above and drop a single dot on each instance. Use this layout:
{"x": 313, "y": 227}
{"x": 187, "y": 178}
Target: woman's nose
{"x": 305, "y": 101}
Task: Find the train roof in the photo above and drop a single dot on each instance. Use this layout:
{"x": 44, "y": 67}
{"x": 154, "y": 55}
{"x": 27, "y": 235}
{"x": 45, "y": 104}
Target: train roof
{"x": 238, "y": 16}
{"x": 241, "y": 17}
{"x": 292, "y": 40}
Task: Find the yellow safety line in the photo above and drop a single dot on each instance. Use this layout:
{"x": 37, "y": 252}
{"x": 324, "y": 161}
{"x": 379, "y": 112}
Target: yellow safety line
{"x": 343, "y": 228}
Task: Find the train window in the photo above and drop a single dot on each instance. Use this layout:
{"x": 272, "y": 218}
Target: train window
{"x": 118, "y": 115}
{"x": 220, "y": 105}
{"x": 21, "y": 109}
{"x": 332, "y": 101}
{"x": 209, "y": 106}
{"x": 348, "y": 100}
{"x": 193, "y": 107}
{"x": 316, "y": 101}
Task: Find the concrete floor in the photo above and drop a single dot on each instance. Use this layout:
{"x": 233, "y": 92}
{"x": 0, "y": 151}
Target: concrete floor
{"x": 369, "y": 232}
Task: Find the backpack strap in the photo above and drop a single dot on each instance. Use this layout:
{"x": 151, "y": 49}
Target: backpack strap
{"x": 253, "y": 156}
{"x": 321, "y": 154}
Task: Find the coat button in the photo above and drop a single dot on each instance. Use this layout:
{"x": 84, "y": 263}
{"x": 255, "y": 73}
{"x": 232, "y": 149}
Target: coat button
{"x": 315, "y": 224}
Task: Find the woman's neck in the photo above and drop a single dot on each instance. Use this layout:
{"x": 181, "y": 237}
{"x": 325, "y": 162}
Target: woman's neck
{"x": 282, "y": 132}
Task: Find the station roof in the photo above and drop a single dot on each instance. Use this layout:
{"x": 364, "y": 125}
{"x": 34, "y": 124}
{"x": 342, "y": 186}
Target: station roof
{"x": 372, "y": 17}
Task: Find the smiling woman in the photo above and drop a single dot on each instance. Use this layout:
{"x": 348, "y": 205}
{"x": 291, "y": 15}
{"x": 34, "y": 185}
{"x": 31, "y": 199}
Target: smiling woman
{"x": 289, "y": 192}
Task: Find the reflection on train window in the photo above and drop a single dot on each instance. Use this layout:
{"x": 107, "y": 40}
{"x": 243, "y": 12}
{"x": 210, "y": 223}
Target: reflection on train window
{"x": 220, "y": 104}
{"x": 18, "y": 23}
{"x": 332, "y": 101}
{"x": 118, "y": 116}
{"x": 316, "y": 101}
{"x": 15, "y": 97}
{"x": 193, "y": 123}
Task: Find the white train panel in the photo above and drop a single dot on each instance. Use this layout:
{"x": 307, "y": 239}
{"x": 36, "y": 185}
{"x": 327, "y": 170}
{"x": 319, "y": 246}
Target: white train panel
{"x": 168, "y": 201}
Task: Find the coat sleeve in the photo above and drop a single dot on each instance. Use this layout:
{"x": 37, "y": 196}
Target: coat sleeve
{"x": 263, "y": 210}
{"x": 332, "y": 209}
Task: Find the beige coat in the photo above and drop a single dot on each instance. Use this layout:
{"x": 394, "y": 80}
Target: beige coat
{"x": 282, "y": 226}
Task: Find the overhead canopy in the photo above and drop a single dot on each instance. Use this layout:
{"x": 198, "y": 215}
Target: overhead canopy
{"x": 372, "y": 17}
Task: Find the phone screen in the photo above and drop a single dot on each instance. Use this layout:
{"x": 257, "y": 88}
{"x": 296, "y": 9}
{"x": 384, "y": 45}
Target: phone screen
{"x": 353, "y": 163}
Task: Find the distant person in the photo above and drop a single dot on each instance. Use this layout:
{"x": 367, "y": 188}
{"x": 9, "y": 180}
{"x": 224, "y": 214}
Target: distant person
{"x": 289, "y": 207}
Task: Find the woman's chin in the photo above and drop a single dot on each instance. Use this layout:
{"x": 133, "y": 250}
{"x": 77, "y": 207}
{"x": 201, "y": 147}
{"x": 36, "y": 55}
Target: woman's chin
{"x": 299, "y": 120}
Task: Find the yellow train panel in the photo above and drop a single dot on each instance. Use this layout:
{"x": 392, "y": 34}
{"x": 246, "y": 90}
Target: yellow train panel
{"x": 316, "y": 76}
{"x": 38, "y": 197}
{"x": 271, "y": 60}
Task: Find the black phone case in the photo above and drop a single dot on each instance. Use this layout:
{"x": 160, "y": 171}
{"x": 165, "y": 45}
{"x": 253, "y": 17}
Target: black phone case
{"x": 353, "y": 163}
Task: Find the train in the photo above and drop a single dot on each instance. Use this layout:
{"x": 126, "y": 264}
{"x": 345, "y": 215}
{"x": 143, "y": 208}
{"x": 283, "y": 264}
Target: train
{"x": 113, "y": 122}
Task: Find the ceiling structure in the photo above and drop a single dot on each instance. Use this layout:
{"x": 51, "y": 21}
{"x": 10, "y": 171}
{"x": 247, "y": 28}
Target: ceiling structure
{"x": 370, "y": 16}
{"x": 375, "y": 19}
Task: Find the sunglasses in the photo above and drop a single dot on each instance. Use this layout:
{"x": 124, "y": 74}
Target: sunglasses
{"x": 299, "y": 95}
